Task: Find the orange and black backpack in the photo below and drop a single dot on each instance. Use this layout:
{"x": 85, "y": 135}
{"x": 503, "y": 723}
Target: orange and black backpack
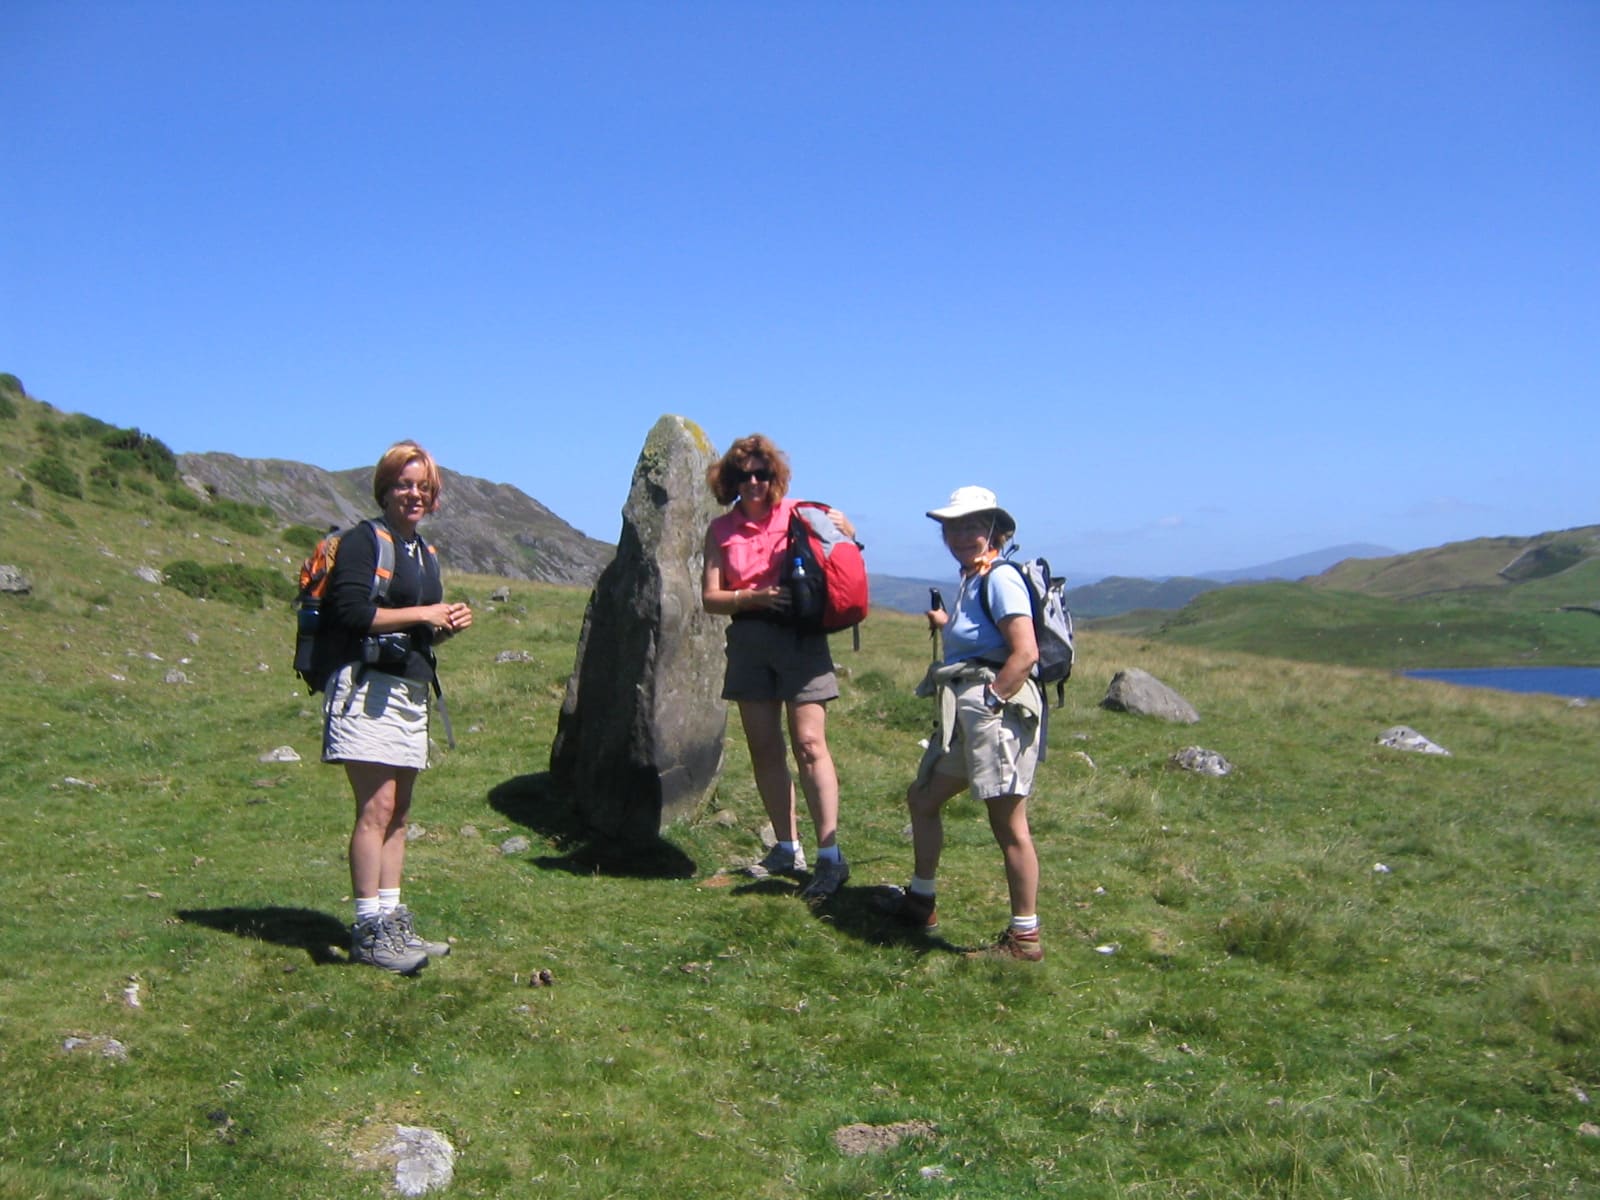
{"x": 317, "y": 649}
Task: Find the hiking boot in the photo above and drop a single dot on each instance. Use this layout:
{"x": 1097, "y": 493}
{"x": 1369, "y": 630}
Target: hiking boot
{"x": 911, "y": 908}
{"x": 778, "y": 861}
{"x": 827, "y": 879}
{"x": 404, "y": 925}
{"x": 377, "y": 943}
{"x": 1011, "y": 944}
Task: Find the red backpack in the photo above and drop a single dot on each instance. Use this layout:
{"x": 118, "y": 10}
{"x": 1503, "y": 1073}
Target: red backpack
{"x": 824, "y": 571}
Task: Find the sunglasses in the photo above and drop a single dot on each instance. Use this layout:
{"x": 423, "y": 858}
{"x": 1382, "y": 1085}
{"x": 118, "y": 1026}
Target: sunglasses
{"x": 764, "y": 475}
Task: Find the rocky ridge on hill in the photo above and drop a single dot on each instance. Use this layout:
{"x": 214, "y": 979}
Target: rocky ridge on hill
{"x": 482, "y": 527}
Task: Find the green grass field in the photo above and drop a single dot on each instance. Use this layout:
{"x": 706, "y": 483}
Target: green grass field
{"x": 1235, "y": 1001}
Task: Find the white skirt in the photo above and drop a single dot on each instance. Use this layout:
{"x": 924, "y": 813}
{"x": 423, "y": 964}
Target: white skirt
{"x": 385, "y": 720}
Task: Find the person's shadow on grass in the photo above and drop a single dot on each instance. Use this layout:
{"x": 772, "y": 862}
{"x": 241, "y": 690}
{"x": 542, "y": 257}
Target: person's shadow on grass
{"x": 862, "y": 913}
{"x": 317, "y": 933}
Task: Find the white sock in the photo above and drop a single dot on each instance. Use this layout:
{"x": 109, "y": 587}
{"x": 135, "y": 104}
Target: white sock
{"x": 367, "y": 906}
{"x": 388, "y": 899}
{"x": 921, "y": 886}
{"x": 1025, "y": 924}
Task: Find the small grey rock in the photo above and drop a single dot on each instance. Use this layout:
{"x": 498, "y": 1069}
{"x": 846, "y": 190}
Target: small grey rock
{"x": 1202, "y": 762}
{"x": 280, "y": 754}
{"x": 424, "y": 1160}
{"x": 516, "y": 845}
{"x": 1403, "y": 737}
{"x": 99, "y": 1043}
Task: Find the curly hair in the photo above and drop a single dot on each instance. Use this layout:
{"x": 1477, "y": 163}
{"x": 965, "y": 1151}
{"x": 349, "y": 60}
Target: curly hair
{"x": 724, "y": 475}
{"x": 395, "y": 460}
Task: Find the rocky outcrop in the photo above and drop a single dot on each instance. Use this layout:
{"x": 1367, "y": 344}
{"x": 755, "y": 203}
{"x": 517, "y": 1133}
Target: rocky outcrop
{"x": 481, "y": 528}
{"x": 639, "y": 740}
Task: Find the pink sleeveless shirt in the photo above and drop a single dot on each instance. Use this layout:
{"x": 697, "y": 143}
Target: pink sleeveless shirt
{"x": 752, "y": 551}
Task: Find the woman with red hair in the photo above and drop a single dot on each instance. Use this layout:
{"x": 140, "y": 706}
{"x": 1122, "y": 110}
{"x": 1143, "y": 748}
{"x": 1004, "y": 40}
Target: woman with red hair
{"x": 774, "y": 671}
{"x": 375, "y": 706}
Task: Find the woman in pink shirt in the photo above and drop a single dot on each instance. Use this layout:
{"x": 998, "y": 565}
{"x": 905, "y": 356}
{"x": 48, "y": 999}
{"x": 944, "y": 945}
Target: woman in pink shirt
{"x": 774, "y": 670}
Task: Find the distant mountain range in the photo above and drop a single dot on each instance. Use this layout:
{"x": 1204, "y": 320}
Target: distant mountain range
{"x": 496, "y": 529}
{"x": 1120, "y": 594}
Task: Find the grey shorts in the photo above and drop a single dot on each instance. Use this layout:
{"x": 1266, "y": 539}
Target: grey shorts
{"x": 768, "y": 661}
{"x": 995, "y": 752}
{"x": 385, "y": 721}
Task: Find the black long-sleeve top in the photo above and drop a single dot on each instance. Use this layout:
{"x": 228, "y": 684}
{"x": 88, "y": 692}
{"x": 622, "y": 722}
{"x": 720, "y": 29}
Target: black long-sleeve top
{"x": 349, "y": 608}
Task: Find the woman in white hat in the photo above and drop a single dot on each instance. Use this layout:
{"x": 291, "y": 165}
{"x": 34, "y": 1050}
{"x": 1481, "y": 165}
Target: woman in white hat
{"x": 990, "y": 725}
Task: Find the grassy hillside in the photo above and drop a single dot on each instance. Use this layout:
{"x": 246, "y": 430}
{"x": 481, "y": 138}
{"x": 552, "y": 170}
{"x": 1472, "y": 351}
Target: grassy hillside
{"x": 1487, "y": 602}
{"x": 1235, "y": 1002}
{"x": 1498, "y": 562}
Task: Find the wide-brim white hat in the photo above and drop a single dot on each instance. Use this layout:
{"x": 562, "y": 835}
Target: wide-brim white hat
{"x": 966, "y": 501}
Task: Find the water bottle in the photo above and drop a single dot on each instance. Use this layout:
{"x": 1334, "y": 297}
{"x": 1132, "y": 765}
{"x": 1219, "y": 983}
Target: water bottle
{"x": 309, "y": 616}
{"x": 799, "y": 568}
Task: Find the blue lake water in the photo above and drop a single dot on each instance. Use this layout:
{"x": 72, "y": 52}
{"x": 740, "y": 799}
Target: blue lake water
{"x": 1556, "y": 681}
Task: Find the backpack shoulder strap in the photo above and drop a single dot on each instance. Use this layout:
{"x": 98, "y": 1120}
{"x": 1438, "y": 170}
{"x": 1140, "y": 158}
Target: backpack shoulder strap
{"x": 383, "y": 564}
{"x": 983, "y": 588}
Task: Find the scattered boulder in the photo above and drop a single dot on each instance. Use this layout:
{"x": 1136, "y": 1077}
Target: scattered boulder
{"x": 501, "y": 595}
{"x": 515, "y": 845}
{"x": 175, "y": 676}
{"x": 280, "y": 754}
{"x": 14, "y": 581}
{"x": 98, "y": 1043}
{"x": 513, "y": 656}
{"x": 423, "y": 1159}
{"x": 639, "y": 740}
{"x": 1141, "y": 693}
{"x": 1403, "y": 737}
{"x": 149, "y": 574}
{"x": 1201, "y": 761}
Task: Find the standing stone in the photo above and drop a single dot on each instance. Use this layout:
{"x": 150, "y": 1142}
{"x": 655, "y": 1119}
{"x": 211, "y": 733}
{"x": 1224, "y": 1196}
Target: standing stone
{"x": 639, "y": 741}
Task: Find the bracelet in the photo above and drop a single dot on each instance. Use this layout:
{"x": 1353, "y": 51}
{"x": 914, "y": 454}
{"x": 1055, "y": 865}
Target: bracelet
{"x": 736, "y": 604}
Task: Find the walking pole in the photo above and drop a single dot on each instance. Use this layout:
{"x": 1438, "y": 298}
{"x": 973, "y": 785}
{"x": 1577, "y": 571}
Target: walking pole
{"x": 935, "y": 604}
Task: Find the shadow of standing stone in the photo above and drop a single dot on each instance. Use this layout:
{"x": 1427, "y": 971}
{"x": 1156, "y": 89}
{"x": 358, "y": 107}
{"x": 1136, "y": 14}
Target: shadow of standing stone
{"x": 639, "y": 741}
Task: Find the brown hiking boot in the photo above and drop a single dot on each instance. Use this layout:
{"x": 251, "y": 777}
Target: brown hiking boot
{"x": 911, "y": 908}
{"x": 1011, "y": 944}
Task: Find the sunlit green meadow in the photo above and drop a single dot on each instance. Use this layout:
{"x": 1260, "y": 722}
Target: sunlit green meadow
{"x": 1342, "y": 971}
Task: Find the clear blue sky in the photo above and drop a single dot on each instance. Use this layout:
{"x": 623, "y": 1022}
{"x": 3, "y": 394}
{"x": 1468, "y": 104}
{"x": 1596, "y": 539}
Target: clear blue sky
{"x": 1192, "y": 285}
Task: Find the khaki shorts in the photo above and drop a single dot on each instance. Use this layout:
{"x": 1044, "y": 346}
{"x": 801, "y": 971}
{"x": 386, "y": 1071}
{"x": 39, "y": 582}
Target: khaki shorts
{"x": 995, "y": 752}
{"x": 768, "y": 661}
{"x": 385, "y": 721}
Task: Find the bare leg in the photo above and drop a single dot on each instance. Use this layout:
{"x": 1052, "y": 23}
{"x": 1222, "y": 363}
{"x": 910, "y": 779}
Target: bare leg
{"x": 926, "y": 803}
{"x": 378, "y": 841}
{"x": 808, "y": 726}
{"x": 1008, "y": 818}
{"x": 769, "y": 762}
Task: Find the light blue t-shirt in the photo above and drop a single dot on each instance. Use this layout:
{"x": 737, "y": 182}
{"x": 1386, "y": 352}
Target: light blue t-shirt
{"x": 969, "y": 634}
